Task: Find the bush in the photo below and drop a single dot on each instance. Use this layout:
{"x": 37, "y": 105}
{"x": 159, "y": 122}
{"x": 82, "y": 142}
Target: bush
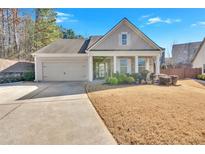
{"x": 130, "y": 79}
{"x": 112, "y": 80}
{"x": 137, "y": 76}
{"x": 28, "y": 76}
{"x": 107, "y": 80}
{"x": 122, "y": 78}
{"x": 201, "y": 77}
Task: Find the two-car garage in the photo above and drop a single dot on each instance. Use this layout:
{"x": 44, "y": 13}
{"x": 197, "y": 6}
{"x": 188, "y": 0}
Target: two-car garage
{"x": 62, "y": 69}
{"x": 62, "y": 60}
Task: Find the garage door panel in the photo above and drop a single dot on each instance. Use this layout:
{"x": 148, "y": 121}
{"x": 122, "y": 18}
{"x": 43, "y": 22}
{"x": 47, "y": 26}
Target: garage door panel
{"x": 65, "y": 71}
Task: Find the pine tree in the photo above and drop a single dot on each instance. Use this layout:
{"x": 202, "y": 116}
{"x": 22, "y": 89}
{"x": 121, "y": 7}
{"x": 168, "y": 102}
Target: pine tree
{"x": 46, "y": 29}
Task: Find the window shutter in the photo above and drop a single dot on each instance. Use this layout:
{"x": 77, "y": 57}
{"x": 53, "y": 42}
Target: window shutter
{"x": 128, "y": 39}
{"x": 120, "y": 39}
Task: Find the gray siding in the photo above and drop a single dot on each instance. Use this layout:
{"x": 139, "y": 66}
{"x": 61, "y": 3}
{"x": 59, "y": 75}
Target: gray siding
{"x": 113, "y": 42}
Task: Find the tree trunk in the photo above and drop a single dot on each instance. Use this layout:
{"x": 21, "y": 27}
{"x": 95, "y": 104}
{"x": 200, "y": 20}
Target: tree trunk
{"x": 8, "y": 16}
{"x": 2, "y": 33}
{"x": 15, "y": 36}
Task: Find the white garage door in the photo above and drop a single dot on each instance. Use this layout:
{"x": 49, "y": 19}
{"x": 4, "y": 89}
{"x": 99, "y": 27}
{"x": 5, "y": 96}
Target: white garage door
{"x": 65, "y": 71}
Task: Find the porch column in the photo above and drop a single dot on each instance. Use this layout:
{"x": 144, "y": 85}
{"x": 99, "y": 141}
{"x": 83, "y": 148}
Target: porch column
{"x": 36, "y": 70}
{"x": 90, "y": 68}
{"x": 114, "y": 64}
{"x": 157, "y": 64}
{"x": 147, "y": 64}
{"x": 136, "y": 64}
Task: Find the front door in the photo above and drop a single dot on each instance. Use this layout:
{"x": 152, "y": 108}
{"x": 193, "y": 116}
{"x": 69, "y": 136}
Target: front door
{"x": 101, "y": 70}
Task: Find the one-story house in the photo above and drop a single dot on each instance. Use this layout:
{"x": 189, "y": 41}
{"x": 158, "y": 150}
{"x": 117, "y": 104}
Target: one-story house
{"x": 123, "y": 49}
{"x": 198, "y": 60}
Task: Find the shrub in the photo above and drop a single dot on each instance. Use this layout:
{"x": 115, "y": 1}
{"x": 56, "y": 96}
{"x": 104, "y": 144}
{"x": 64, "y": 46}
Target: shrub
{"x": 201, "y": 77}
{"x": 112, "y": 80}
{"x": 122, "y": 78}
{"x": 130, "y": 79}
{"x": 28, "y": 76}
{"x": 107, "y": 80}
{"x": 136, "y": 76}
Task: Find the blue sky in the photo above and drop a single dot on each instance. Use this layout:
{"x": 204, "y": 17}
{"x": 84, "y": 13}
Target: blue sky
{"x": 164, "y": 26}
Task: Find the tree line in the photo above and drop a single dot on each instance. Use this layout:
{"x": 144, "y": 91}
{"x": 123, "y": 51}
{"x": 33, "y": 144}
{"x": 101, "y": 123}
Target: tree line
{"x": 23, "y": 32}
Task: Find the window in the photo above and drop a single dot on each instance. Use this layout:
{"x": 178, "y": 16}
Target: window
{"x": 141, "y": 64}
{"x": 204, "y": 68}
{"x": 124, "y": 39}
{"x": 123, "y": 65}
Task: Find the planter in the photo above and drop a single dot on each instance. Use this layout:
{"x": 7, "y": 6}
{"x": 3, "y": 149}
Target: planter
{"x": 165, "y": 80}
{"x": 174, "y": 79}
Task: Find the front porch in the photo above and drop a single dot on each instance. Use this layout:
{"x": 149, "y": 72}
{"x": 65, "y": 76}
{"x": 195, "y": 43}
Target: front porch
{"x": 101, "y": 67}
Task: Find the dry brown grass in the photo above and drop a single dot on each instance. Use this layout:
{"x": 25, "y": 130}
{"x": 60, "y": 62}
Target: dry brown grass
{"x": 152, "y": 114}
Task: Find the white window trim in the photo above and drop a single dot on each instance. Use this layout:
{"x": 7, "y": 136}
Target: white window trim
{"x": 128, "y": 65}
{"x": 140, "y": 67}
{"x": 122, "y": 33}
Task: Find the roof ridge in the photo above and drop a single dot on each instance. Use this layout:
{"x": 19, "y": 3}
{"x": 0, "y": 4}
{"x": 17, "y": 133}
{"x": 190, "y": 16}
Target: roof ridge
{"x": 202, "y": 43}
{"x": 133, "y": 25}
{"x": 188, "y": 43}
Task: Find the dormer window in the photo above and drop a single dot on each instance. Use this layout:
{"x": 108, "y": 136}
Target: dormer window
{"x": 124, "y": 38}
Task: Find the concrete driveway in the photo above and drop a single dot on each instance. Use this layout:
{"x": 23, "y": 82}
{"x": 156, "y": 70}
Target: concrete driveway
{"x": 49, "y": 113}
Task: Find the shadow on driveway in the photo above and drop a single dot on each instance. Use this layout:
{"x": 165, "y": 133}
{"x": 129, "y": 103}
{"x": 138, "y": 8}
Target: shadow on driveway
{"x": 53, "y": 89}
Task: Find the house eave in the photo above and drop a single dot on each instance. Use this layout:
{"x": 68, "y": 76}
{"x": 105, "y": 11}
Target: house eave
{"x": 124, "y": 53}
{"x": 125, "y": 50}
{"x": 59, "y": 55}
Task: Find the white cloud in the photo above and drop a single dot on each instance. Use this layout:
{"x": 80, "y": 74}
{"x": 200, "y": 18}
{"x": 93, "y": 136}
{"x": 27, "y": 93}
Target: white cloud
{"x": 200, "y": 23}
{"x": 159, "y": 20}
{"x": 65, "y": 17}
{"x": 193, "y": 25}
{"x": 154, "y": 20}
{"x": 62, "y": 14}
{"x": 146, "y": 16}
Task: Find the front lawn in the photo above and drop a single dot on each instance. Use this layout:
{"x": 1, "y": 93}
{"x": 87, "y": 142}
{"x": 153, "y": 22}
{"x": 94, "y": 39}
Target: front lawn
{"x": 152, "y": 114}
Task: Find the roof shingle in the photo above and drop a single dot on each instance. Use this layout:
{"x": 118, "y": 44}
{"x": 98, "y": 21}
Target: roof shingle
{"x": 71, "y": 46}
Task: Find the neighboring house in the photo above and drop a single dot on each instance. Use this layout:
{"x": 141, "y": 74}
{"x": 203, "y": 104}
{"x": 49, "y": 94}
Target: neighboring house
{"x": 182, "y": 54}
{"x": 15, "y": 66}
{"x": 198, "y": 60}
{"x": 123, "y": 49}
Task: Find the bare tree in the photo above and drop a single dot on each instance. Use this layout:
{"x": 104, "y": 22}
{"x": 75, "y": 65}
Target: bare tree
{"x": 15, "y": 23}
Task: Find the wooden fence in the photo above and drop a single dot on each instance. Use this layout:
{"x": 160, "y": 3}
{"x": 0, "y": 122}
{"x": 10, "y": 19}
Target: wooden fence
{"x": 182, "y": 72}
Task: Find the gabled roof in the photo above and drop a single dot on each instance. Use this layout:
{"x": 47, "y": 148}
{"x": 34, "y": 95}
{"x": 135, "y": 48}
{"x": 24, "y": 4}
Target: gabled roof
{"x": 196, "y": 53}
{"x": 145, "y": 37}
{"x": 184, "y": 53}
{"x": 79, "y": 46}
{"x": 93, "y": 40}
